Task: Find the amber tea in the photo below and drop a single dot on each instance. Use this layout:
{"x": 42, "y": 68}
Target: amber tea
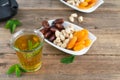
{"x": 28, "y": 48}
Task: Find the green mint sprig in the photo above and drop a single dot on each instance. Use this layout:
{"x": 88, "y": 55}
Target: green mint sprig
{"x": 31, "y": 45}
{"x": 12, "y": 24}
{"x": 17, "y": 69}
{"x": 67, "y": 60}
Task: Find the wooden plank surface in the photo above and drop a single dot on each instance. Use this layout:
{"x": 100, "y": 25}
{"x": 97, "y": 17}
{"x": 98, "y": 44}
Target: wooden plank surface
{"x": 101, "y": 62}
{"x": 110, "y": 5}
{"x": 103, "y": 28}
{"x": 83, "y": 68}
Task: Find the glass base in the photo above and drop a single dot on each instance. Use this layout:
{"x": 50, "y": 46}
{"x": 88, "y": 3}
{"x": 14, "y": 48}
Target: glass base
{"x": 33, "y": 69}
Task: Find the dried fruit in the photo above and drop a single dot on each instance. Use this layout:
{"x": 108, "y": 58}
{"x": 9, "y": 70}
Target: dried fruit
{"x": 87, "y": 4}
{"x": 52, "y": 38}
{"x": 78, "y": 47}
{"x": 59, "y": 26}
{"x": 81, "y": 35}
{"x": 59, "y": 21}
{"x": 48, "y": 34}
{"x": 53, "y": 29}
{"x": 45, "y": 24}
{"x": 87, "y": 42}
{"x": 72, "y": 42}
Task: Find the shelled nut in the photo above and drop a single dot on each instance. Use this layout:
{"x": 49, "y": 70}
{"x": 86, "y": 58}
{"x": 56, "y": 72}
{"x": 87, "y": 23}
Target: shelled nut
{"x": 74, "y": 15}
{"x": 80, "y": 18}
{"x": 71, "y": 19}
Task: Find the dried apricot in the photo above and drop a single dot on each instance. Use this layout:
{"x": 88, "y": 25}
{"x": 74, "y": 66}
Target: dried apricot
{"x": 78, "y": 47}
{"x": 72, "y": 42}
{"x": 83, "y": 4}
{"x": 87, "y": 42}
{"x": 78, "y": 33}
{"x": 87, "y": 0}
{"x": 81, "y": 35}
{"x": 79, "y": 43}
{"x": 87, "y": 4}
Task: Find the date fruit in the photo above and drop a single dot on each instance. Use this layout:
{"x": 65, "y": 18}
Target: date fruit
{"x": 48, "y": 34}
{"x": 59, "y": 21}
{"x": 52, "y": 38}
{"x": 53, "y": 29}
{"x": 45, "y": 24}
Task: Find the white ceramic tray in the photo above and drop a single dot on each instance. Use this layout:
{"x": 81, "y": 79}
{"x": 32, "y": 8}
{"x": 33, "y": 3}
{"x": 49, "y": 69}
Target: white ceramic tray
{"x": 99, "y": 2}
{"x": 81, "y": 52}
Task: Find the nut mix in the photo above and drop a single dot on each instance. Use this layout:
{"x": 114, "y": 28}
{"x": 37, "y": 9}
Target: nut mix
{"x": 65, "y": 36}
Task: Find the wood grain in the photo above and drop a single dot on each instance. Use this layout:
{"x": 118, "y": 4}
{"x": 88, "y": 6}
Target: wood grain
{"x": 101, "y": 62}
{"x": 109, "y": 5}
{"x": 104, "y": 26}
{"x": 83, "y": 68}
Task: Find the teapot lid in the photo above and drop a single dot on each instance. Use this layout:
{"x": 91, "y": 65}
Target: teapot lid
{"x": 8, "y": 8}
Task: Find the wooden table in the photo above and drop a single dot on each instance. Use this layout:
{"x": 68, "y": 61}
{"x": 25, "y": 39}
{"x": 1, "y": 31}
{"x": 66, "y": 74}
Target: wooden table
{"x": 101, "y": 62}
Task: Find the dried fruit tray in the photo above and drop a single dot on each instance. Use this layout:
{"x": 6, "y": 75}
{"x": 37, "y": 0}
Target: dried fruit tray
{"x": 81, "y": 52}
{"x": 98, "y": 3}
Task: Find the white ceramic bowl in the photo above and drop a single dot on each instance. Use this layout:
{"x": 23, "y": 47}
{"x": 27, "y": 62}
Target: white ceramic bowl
{"x": 99, "y": 2}
{"x": 81, "y": 52}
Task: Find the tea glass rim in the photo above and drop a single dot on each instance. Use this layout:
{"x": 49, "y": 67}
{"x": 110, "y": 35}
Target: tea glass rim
{"x": 22, "y": 31}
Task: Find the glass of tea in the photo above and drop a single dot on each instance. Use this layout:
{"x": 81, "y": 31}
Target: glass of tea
{"x": 28, "y": 45}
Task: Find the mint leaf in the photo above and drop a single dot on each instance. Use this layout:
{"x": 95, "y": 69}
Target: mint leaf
{"x": 12, "y": 29}
{"x": 17, "y": 22}
{"x": 30, "y": 44}
{"x": 21, "y": 69}
{"x": 11, "y": 69}
{"x": 35, "y": 45}
{"x": 9, "y": 24}
{"x": 68, "y": 60}
{"x": 17, "y": 71}
{"x": 12, "y": 24}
